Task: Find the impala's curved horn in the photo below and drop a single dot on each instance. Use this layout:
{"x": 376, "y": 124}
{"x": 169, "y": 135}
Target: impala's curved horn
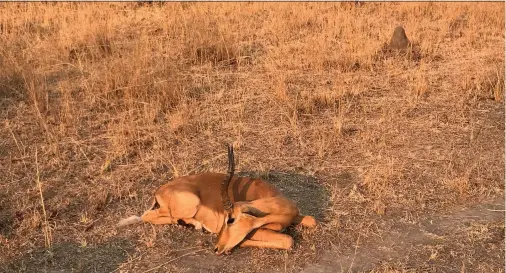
{"x": 227, "y": 204}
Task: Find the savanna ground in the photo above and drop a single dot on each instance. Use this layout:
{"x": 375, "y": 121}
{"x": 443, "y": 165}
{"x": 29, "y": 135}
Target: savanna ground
{"x": 399, "y": 155}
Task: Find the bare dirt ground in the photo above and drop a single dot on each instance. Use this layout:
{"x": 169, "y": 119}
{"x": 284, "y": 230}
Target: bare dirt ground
{"x": 398, "y": 154}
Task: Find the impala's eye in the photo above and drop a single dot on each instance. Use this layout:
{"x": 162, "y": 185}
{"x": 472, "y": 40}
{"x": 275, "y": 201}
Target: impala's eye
{"x": 230, "y": 221}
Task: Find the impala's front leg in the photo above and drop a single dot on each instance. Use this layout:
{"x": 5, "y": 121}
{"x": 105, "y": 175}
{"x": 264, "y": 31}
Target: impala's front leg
{"x": 248, "y": 216}
{"x": 266, "y": 238}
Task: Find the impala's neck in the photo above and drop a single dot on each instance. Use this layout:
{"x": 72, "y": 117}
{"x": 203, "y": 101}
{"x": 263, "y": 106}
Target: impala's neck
{"x": 221, "y": 218}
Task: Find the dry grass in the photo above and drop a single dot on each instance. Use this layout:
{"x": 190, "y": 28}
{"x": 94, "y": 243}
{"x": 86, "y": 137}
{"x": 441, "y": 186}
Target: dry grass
{"x": 117, "y": 98}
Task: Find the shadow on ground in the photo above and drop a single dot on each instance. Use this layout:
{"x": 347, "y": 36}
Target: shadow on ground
{"x": 71, "y": 257}
{"x": 309, "y": 195}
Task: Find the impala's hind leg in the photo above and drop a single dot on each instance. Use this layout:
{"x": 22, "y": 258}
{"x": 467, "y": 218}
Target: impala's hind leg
{"x": 274, "y": 226}
{"x": 168, "y": 207}
{"x": 157, "y": 218}
{"x": 273, "y": 213}
{"x": 304, "y": 220}
{"x": 265, "y": 238}
{"x": 193, "y": 222}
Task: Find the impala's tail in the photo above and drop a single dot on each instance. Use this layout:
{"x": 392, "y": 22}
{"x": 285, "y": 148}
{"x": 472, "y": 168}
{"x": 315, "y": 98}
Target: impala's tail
{"x": 129, "y": 221}
{"x": 137, "y": 219}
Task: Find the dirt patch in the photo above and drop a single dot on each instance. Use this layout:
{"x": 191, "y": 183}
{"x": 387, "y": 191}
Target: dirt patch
{"x": 471, "y": 238}
{"x": 71, "y": 257}
{"x": 6, "y": 222}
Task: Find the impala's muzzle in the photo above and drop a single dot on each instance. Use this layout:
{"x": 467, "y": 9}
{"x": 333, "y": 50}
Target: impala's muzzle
{"x": 220, "y": 251}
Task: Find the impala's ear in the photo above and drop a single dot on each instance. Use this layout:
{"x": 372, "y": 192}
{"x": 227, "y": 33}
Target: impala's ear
{"x": 253, "y": 211}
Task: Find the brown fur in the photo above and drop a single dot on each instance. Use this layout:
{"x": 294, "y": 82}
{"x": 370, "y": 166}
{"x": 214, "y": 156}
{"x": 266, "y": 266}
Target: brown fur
{"x": 259, "y": 209}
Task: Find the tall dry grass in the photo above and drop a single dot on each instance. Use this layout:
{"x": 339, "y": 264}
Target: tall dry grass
{"x": 115, "y": 96}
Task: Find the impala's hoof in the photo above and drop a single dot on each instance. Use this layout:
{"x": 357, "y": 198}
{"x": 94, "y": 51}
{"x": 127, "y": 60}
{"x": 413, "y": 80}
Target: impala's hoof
{"x": 309, "y": 221}
{"x": 198, "y": 226}
{"x": 288, "y": 243}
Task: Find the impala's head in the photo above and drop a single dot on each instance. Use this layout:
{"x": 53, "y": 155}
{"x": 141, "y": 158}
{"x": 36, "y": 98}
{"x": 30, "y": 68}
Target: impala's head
{"x": 238, "y": 223}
